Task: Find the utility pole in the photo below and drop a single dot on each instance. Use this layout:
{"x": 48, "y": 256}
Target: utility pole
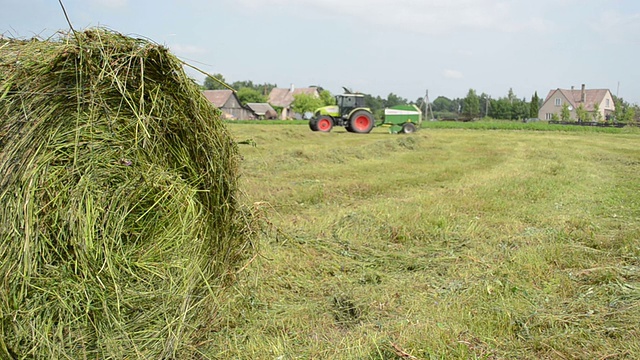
{"x": 427, "y": 106}
{"x": 486, "y": 107}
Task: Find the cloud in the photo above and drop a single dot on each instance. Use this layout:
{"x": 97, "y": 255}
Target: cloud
{"x": 452, "y": 74}
{"x": 421, "y": 16}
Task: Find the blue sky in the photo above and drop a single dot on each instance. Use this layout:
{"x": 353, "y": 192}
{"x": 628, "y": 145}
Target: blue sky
{"x": 376, "y": 46}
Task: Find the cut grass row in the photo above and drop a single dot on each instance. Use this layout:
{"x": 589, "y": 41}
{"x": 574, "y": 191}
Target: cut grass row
{"x": 442, "y": 244}
{"x": 484, "y": 124}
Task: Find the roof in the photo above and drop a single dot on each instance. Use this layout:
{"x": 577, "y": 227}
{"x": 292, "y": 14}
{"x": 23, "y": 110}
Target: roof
{"x": 218, "y": 97}
{"x": 284, "y": 97}
{"x": 261, "y": 108}
{"x": 594, "y": 96}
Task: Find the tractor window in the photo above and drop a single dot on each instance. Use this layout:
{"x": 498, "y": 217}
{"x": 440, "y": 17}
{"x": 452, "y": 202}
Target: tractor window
{"x": 346, "y": 101}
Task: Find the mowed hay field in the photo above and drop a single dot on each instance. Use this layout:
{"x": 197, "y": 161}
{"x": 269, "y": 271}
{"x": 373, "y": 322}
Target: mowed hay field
{"x": 443, "y": 244}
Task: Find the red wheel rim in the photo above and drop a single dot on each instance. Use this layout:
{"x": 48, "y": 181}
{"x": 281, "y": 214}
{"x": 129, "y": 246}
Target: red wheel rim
{"x": 362, "y": 123}
{"x": 324, "y": 125}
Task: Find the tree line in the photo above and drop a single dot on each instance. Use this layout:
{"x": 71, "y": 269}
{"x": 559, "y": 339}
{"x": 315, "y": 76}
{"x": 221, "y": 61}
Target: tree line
{"x": 472, "y": 106}
{"x": 246, "y": 90}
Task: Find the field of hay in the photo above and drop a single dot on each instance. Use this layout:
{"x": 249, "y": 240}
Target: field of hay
{"x": 444, "y": 244}
{"x": 130, "y": 222}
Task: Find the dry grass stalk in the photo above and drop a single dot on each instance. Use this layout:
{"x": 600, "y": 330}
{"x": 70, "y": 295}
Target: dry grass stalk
{"x": 119, "y": 219}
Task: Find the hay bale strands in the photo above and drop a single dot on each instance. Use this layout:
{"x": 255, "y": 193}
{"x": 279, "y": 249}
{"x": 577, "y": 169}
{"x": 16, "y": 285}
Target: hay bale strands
{"x": 118, "y": 216}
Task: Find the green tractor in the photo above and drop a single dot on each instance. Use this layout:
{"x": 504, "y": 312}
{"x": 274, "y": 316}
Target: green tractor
{"x": 349, "y": 112}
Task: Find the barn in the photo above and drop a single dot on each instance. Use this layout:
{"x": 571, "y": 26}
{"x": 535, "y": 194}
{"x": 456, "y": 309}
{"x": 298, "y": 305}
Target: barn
{"x": 228, "y": 102}
{"x": 263, "y": 111}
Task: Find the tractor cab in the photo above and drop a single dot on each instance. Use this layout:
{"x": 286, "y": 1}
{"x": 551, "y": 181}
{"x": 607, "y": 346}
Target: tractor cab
{"x": 348, "y": 102}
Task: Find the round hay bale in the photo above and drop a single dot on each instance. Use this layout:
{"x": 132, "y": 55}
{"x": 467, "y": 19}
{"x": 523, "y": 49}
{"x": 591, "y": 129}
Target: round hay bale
{"x": 118, "y": 217}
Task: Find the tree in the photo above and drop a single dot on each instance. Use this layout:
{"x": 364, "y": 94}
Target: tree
{"x": 471, "y": 106}
{"x": 629, "y": 115}
{"x": 303, "y": 103}
{"x": 618, "y": 114}
{"x": 512, "y": 108}
{"x": 621, "y": 108}
{"x": 565, "y": 114}
{"x": 243, "y": 84}
{"x": 511, "y": 96}
{"x": 327, "y": 98}
{"x": 597, "y": 116}
{"x": 393, "y": 100}
{"x": 534, "y": 106}
{"x": 373, "y": 103}
{"x": 519, "y": 109}
{"x": 442, "y": 103}
{"x": 500, "y": 109}
{"x": 263, "y": 89}
{"x": 210, "y": 82}
{"x": 248, "y": 95}
{"x": 582, "y": 113}
{"x": 445, "y": 108}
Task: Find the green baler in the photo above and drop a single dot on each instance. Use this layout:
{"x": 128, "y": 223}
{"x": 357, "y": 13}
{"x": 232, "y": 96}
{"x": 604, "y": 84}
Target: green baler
{"x": 402, "y": 119}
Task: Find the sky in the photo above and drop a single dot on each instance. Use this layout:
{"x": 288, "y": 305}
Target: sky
{"x": 378, "y": 47}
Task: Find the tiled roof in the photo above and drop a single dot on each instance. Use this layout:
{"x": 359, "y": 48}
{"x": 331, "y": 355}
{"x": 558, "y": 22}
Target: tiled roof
{"x": 261, "y": 108}
{"x": 218, "y": 97}
{"x": 284, "y": 97}
{"x": 593, "y": 96}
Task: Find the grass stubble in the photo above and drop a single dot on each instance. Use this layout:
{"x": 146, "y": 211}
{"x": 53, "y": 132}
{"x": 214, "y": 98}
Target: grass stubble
{"x": 446, "y": 243}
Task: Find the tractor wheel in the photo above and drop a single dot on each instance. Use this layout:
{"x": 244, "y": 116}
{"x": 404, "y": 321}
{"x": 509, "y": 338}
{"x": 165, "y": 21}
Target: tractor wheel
{"x": 324, "y": 123}
{"x": 313, "y": 124}
{"x": 361, "y": 122}
{"x": 408, "y": 128}
{"x": 348, "y": 127}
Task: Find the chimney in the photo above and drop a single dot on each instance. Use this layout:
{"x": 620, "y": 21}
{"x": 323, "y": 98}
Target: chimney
{"x": 572, "y": 87}
{"x": 584, "y": 94}
{"x": 292, "y": 88}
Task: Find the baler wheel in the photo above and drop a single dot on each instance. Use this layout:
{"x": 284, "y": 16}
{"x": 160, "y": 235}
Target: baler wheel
{"x": 408, "y": 128}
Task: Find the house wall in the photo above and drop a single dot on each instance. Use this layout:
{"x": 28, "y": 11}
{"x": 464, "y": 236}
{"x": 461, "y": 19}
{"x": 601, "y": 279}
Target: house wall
{"x": 550, "y": 107}
{"x": 286, "y": 113}
{"x": 283, "y": 98}
{"x": 235, "y": 109}
{"x": 607, "y": 106}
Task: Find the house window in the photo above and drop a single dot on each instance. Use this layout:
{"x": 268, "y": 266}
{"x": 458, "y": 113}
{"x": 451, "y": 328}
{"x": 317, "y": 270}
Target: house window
{"x": 607, "y": 103}
{"x": 549, "y": 116}
{"x": 558, "y": 102}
